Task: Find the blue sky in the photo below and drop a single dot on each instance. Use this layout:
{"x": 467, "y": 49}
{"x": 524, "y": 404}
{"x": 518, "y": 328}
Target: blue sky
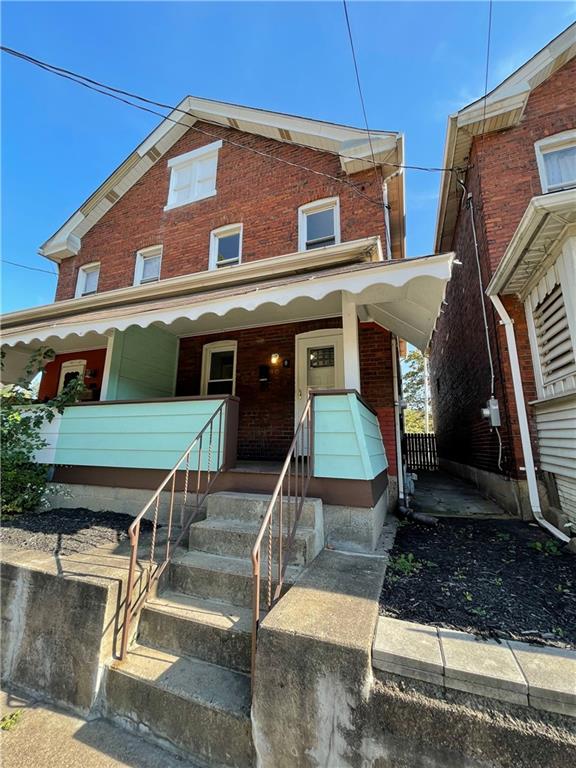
{"x": 418, "y": 62}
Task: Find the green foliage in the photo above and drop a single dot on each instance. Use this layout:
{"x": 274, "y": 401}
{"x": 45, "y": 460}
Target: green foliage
{"x": 549, "y": 548}
{"x": 21, "y": 420}
{"x": 405, "y": 565}
{"x": 414, "y": 421}
{"x": 414, "y": 392}
{"x": 10, "y": 721}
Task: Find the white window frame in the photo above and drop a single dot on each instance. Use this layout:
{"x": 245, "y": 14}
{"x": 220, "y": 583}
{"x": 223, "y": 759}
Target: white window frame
{"x": 141, "y": 256}
{"x": 551, "y": 144}
{"x": 83, "y": 271}
{"x": 317, "y": 206}
{"x": 191, "y": 158}
{"x": 229, "y": 229}
{"x": 71, "y": 366}
{"x": 207, "y": 351}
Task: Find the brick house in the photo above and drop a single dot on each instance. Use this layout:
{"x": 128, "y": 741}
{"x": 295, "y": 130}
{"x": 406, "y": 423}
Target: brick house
{"x": 241, "y": 254}
{"x": 517, "y": 188}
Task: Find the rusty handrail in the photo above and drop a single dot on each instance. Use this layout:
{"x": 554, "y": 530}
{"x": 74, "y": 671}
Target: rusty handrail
{"x": 290, "y": 491}
{"x": 214, "y": 445}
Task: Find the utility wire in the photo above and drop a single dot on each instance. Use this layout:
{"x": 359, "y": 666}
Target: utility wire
{"x": 25, "y": 266}
{"x": 378, "y": 170}
{"x": 111, "y": 91}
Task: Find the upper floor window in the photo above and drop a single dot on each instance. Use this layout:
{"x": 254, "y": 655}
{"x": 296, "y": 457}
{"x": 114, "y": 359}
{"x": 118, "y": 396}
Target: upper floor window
{"x": 556, "y": 156}
{"x": 148, "y": 262}
{"x": 226, "y": 246}
{"x": 87, "y": 281}
{"x": 193, "y": 175}
{"x": 319, "y": 224}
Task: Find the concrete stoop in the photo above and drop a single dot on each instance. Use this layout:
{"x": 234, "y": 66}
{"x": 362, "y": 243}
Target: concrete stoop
{"x": 185, "y": 682}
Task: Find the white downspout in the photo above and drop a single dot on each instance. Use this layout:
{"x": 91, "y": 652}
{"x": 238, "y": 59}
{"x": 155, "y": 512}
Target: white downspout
{"x": 506, "y": 321}
{"x": 397, "y": 409}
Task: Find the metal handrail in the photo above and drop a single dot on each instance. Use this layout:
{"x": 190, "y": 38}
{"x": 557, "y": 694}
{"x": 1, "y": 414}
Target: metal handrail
{"x": 155, "y": 569}
{"x": 290, "y": 492}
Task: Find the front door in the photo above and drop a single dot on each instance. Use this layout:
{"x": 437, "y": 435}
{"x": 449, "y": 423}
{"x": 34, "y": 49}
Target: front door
{"x": 319, "y": 364}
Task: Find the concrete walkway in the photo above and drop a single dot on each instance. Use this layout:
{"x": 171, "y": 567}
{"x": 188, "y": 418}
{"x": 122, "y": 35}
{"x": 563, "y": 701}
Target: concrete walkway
{"x": 45, "y": 737}
{"x": 444, "y": 495}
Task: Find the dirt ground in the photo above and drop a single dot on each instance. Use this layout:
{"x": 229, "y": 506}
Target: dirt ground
{"x": 65, "y": 531}
{"x": 496, "y": 578}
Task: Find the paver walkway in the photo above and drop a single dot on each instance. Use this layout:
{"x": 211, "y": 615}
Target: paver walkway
{"x": 444, "y": 495}
{"x": 45, "y": 737}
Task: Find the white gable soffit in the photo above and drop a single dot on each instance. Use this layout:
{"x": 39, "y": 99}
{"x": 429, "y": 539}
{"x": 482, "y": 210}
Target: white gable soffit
{"x": 402, "y": 295}
{"x": 505, "y": 106}
{"x": 547, "y": 222}
{"x": 350, "y": 143}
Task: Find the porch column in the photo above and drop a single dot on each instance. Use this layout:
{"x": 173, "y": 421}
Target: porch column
{"x": 350, "y": 342}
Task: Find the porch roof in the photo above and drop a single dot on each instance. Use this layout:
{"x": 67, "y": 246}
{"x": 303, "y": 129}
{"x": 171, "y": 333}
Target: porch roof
{"x": 546, "y": 223}
{"x": 404, "y": 296}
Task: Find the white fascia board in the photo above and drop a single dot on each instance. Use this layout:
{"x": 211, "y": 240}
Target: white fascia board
{"x": 447, "y": 162}
{"x": 538, "y": 208}
{"x": 362, "y": 284}
{"x": 508, "y": 102}
{"x": 184, "y": 120}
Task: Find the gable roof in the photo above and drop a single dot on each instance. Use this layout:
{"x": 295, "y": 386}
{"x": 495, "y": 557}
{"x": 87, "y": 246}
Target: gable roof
{"x": 351, "y": 144}
{"x": 504, "y": 108}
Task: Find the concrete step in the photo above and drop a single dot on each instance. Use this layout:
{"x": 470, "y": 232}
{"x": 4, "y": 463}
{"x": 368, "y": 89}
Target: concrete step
{"x": 216, "y": 577}
{"x": 199, "y": 708}
{"x": 236, "y": 539}
{"x": 219, "y": 633}
{"x": 251, "y": 507}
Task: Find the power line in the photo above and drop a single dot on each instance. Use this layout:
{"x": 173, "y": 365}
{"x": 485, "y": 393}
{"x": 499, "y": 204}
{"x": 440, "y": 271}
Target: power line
{"x": 112, "y": 92}
{"x": 378, "y": 170}
{"x": 25, "y": 266}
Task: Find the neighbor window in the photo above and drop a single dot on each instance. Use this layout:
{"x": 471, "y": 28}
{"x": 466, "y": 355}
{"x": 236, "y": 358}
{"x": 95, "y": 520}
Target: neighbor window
{"x": 87, "y": 281}
{"x": 219, "y": 368}
{"x": 193, "y": 175}
{"x": 226, "y": 246}
{"x": 319, "y": 224}
{"x": 148, "y": 262}
{"x": 556, "y": 156}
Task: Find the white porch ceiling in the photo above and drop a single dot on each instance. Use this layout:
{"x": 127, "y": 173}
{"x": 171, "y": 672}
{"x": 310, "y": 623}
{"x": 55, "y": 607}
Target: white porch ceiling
{"x": 403, "y": 296}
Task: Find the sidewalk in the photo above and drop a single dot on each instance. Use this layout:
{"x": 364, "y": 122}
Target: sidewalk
{"x": 45, "y": 737}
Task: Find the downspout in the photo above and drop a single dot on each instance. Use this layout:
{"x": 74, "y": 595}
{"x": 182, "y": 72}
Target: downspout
{"x": 507, "y": 322}
{"x": 397, "y": 410}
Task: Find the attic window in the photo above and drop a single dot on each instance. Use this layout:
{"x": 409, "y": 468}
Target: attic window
{"x": 87, "y": 282}
{"x": 193, "y": 176}
{"x": 319, "y": 224}
{"x": 148, "y": 262}
{"x": 556, "y": 156}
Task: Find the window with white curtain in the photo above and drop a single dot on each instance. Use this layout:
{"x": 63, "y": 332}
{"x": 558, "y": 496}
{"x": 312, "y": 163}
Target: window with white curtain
{"x": 148, "y": 262}
{"x": 556, "y": 156}
{"x": 87, "y": 281}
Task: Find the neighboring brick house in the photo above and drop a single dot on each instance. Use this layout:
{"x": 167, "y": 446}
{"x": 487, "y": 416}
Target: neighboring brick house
{"x": 243, "y": 253}
{"x": 517, "y": 186}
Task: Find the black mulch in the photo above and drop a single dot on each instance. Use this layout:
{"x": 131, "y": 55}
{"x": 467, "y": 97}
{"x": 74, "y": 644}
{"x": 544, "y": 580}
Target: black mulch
{"x": 494, "y": 578}
{"x": 65, "y": 531}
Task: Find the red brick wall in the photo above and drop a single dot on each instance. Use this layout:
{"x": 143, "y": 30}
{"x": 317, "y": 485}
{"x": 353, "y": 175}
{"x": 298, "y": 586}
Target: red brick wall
{"x": 258, "y": 191}
{"x": 50, "y": 378}
{"x": 503, "y": 178}
{"x": 266, "y": 422}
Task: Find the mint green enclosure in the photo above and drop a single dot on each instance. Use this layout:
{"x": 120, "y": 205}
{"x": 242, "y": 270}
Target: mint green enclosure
{"x": 347, "y": 439}
{"x": 140, "y": 435}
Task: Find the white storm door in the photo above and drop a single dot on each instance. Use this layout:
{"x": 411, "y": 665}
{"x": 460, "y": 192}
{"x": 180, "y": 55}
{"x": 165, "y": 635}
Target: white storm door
{"x": 319, "y": 365}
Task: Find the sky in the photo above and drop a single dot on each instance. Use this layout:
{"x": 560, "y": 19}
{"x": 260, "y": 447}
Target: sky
{"x": 418, "y": 62}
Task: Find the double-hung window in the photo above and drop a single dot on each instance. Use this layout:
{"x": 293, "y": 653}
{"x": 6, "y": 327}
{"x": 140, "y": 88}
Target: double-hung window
{"x": 319, "y": 224}
{"x": 148, "y": 262}
{"x": 556, "y": 156}
{"x": 193, "y": 176}
{"x": 219, "y": 368}
{"x": 226, "y": 246}
{"x": 87, "y": 281}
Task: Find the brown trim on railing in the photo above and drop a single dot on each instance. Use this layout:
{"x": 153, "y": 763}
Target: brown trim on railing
{"x": 156, "y": 400}
{"x": 345, "y": 392}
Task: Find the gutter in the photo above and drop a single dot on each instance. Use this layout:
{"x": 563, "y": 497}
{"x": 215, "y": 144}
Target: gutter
{"x": 528, "y": 456}
{"x": 397, "y": 409}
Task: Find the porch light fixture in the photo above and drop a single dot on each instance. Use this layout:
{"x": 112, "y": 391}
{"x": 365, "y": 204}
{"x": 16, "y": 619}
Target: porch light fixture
{"x": 275, "y": 358}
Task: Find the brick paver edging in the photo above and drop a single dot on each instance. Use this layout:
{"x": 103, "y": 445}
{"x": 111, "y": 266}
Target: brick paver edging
{"x": 540, "y": 677}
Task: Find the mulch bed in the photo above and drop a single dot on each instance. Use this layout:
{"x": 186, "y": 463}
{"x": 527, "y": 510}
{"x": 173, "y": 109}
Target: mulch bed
{"x": 494, "y": 578}
{"x": 65, "y": 531}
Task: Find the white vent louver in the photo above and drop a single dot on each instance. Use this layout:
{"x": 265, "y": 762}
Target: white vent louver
{"x": 553, "y": 335}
